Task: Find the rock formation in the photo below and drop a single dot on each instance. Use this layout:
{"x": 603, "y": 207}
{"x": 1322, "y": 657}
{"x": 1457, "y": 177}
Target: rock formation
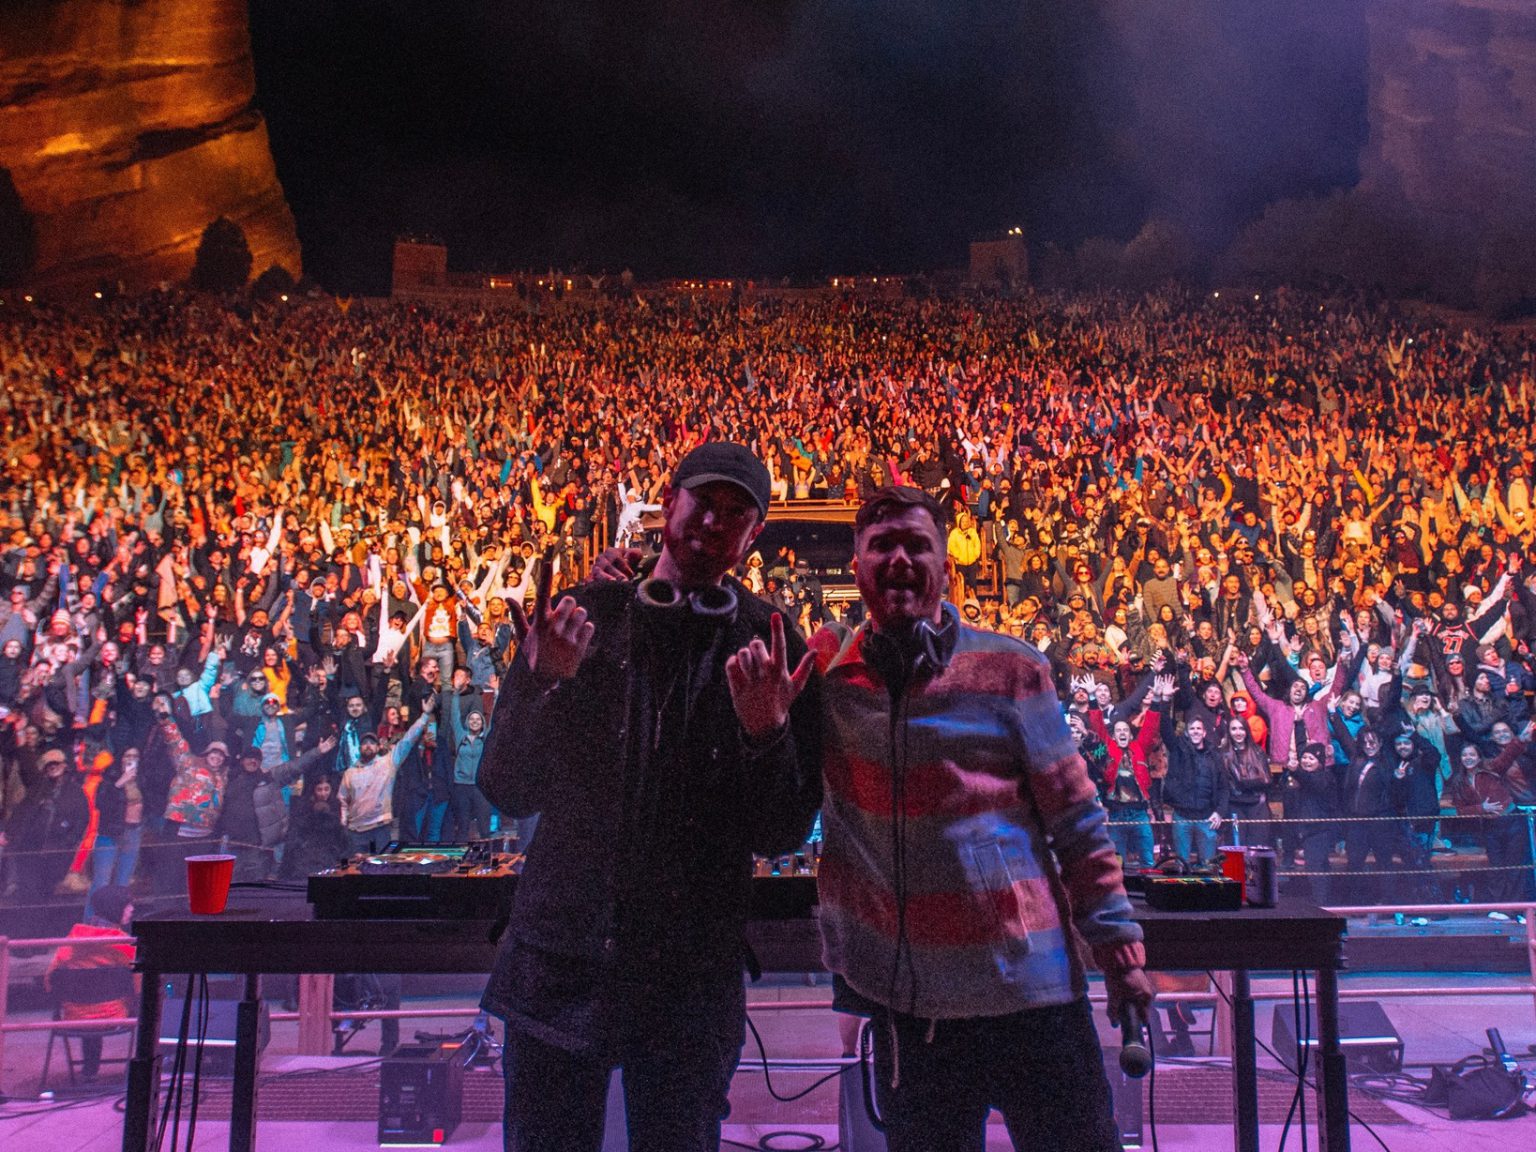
{"x": 126, "y": 126}
{"x": 1453, "y": 109}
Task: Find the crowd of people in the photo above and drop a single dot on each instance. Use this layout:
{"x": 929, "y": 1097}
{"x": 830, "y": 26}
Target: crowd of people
{"x": 261, "y": 564}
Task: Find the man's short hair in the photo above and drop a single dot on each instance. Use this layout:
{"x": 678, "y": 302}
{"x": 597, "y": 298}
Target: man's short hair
{"x": 896, "y": 500}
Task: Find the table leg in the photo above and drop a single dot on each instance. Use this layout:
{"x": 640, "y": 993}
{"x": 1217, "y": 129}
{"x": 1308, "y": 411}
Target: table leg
{"x": 1332, "y": 1082}
{"x": 144, "y": 1069}
{"x": 1245, "y": 1067}
{"x": 242, "y": 1108}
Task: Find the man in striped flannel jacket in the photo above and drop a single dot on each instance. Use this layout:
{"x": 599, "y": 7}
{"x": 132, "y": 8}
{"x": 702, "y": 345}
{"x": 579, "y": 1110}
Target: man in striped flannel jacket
{"x": 964, "y": 848}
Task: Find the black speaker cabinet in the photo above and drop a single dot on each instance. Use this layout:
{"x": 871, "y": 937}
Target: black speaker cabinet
{"x": 1369, "y": 1041}
{"x": 219, "y": 1035}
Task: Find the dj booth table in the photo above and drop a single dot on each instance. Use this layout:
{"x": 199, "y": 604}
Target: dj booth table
{"x": 268, "y": 937}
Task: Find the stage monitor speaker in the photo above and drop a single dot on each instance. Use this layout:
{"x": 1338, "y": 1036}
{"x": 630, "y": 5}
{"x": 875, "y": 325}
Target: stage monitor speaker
{"x": 219, "y": 1035}
{"x": 1369, "y": 1041}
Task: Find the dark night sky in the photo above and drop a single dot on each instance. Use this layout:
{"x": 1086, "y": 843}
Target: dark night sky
{"x": 791, "y": 137}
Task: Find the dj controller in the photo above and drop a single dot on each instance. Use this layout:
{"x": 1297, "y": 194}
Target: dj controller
{"x": 475, "y": 881}
{"x": 471, "y": 881}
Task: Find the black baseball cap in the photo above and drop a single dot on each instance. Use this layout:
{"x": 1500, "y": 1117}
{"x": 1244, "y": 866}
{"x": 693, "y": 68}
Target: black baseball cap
{"x": 726, "y": 463}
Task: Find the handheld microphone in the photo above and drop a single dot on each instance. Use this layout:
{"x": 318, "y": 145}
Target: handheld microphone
{"x": 1135, "y": 1056}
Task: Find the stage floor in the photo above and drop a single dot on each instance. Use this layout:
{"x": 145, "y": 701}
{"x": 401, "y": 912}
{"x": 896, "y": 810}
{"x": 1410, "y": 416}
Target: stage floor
{"x": 327, "y": 1103}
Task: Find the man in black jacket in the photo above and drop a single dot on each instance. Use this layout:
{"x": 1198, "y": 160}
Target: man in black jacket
{"x": 254, "y": 814}
{"x": 660, "y": 732}
{"x": 1197, "y": 788}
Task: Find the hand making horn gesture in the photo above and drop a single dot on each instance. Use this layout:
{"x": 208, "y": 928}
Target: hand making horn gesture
{"x": 762, "y": 686}
{"x": 555, "y": 641}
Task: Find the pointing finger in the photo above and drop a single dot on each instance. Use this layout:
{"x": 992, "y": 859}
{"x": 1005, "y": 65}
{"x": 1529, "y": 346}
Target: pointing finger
{"x": 546, "y": 575}
{"x": 776, "y": 635}
{"x": 519, "y": 620}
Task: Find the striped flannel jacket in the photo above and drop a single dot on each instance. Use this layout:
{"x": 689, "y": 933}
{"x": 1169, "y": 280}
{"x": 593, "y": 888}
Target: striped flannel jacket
{"x": 964, "y": 840}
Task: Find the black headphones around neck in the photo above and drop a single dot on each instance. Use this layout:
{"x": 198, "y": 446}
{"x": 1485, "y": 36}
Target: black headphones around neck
{"x": 713, "y": 606}
{"x": 924, "y": 649}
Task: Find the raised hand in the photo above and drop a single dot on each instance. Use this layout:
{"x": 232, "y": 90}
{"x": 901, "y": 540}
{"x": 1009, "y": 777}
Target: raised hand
{"x": 555, "y": 641}
{"x": 762, "y": 686}
{"x": 616, "y": 564}
{"x": 1162, "y": 688}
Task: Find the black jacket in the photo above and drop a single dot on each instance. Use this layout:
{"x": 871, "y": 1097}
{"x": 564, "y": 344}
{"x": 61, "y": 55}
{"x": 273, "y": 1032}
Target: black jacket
{"x": 1312, "y": 795}
{"x": 1197, "y": 783}
{"x": 1372, "y": 788}
{"x": 315, "y": 840}
{"x": 642, "y": 864}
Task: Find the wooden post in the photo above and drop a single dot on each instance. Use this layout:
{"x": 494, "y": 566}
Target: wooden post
{"x": 1223, "y": 1021}
{"x": 316, "y": 996}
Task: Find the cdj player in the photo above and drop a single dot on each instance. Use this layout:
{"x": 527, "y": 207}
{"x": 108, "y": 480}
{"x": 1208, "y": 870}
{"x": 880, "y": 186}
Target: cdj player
{"x": 471, "y": 881}
{"x": 475, "y": 881}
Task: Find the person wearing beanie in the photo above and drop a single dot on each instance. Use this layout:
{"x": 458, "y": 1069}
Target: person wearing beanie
{"x": 366, "y": 791}
{"x": 254, "y": 815}
{"x": 194, "y": 798}
{"x": 1312, "y": 792}
{"x": 109, "y": 912}
{"x": 471, "y": 810}
{"x": 45, "y": 828}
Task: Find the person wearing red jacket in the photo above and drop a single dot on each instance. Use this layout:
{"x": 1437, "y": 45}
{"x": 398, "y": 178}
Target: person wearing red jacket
{"x": 1127, "y": 785}
{"x": 1490, "y": 788}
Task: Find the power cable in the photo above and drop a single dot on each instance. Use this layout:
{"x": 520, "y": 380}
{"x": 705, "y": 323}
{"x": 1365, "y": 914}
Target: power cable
{"x": 1281, "y": 1061}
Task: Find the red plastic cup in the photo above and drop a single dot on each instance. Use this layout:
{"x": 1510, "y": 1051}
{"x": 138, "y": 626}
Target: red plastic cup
{"x": 208, "y": 880}
{"x": 1234, "y": 863}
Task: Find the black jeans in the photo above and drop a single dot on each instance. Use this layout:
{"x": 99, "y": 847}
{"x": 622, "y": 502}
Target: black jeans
{"x": 1385, "y": 841}
{"x": 677, "y": 1067}
{"x": 1317, "y": 841}
{"x": 1042, "y": 1069}
{"x": 1507, "y": 843}
{"x": 469, "y": 807}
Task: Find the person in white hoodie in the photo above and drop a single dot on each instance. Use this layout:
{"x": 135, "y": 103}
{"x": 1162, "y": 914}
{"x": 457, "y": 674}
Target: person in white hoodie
{"x": 367, "y": 788}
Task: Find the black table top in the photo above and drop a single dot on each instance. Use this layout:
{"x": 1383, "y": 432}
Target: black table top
{"x": 265, "y": 933}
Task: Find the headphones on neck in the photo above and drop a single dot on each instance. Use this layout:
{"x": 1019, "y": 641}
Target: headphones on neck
{"x": 923, "y": 649}
{"x": 714, "y": 605}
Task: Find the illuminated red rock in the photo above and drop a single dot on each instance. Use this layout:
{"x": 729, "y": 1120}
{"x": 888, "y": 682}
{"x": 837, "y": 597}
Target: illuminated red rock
{"x": 126, "y": 126}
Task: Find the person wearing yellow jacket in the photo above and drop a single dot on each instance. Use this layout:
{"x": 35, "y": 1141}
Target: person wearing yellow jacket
{"x": 965, "y": 551}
